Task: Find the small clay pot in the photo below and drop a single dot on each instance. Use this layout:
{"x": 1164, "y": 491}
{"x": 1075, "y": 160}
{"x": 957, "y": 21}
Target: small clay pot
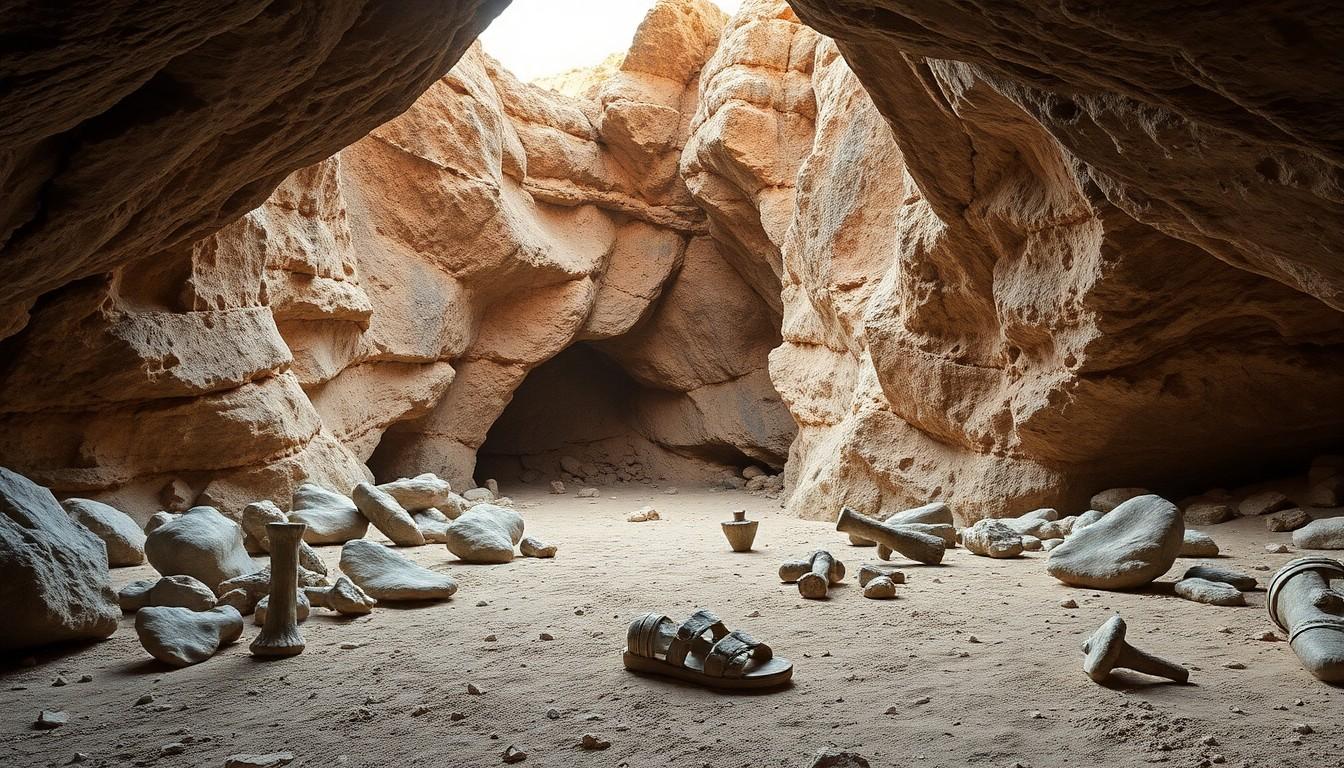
{"x": 740, "y": 531}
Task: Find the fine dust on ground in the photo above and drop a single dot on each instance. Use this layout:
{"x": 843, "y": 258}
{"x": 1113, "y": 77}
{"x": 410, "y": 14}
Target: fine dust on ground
{"x": 976, "y": 663}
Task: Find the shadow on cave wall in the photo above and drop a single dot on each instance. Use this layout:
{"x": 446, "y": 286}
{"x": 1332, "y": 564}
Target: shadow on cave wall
{"x": 576, "y": 418}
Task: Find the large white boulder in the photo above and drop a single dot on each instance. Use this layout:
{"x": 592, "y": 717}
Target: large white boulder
{"x": 201, "y": 543}
{"x": 124, "y": 540}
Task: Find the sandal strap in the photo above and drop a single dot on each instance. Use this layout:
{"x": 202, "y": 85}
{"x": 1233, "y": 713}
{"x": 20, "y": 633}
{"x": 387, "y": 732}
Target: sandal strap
{"x": 641, "y": 637}
{"x": 729, "y": 656}
{"x": 689, "y": 635}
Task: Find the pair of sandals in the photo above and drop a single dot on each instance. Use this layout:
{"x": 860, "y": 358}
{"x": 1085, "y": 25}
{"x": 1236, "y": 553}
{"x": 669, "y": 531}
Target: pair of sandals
{"x": 702, "y": 651}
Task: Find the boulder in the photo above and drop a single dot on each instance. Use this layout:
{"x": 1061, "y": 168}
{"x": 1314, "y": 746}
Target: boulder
{"x": 1087, "y": 518}
{"x": 1210, "y": 592}
{"x": 420, "y": 492}
{"x": 1133, "y": 544}
{"x": 254, "y": 519}
{"x": 1111, "y": 498}
{"x": 485, "y": 534}
{"x": 1287, "y": 520}
{"x": 258, "y": 583}
{"x": 157, "y": 519}
{"x": 125, "y": 541}
{"x": 54, "y": 580}
{"x": 386, "y": 575}
{"x": 531, "y": 547}
{"x": 1326, "y": 493}
{"x": 178, "y": 591}
{"x": 1320, "y": 534}
{"x": 1209, "y": 511}
{"x": 387, "y": 515}
{"x": 331, "y": 518}
{"x": 1241, "y": 581}
{"x": 1198, "y": 544}
{"x": 181, "y": 637}
{"x": 433, "y": 525}
{"x": 478, "y": 494}
{"x": 454, "y": 506}
{"x": 201, "y": 543}
{"x": 1263, "y": 502}
{"x": 992, "y": 538}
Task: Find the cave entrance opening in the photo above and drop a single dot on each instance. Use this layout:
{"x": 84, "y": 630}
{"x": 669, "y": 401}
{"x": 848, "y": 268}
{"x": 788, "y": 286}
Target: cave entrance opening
{"x": 579, "y": 418}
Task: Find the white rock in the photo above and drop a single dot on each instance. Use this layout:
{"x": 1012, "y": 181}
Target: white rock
{"x": 124, "y": 540}
{"x": 54, "y": 580}
{"x": 420, "y": 492}
{"x": 386, "y": 575}
{"x": 992, "y": 538}
{"x": 588, "y": 493}
{"x": 1327, "y": 533}
{"x": 1210, "y": 592}
{"x": 178, "y": 591}
{"x": 387, "y": 515}
{"x": 181, "y": 637}
{"x": 485, "y": 534}
{"x": 530, "y": 547}
{"x": 1198, "y": 544}
{"x": 1133, "y": 544}
{"x": 478, "y": 494}
{"x": 331, "y": 518}
{"x": 201, "y": 543}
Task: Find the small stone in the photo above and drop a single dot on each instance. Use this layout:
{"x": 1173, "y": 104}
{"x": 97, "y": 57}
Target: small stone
{"x": 1209, "y": 741}
{"x": 835, "y": 758}
{"x": 1303, "y": 729}
{"x": 1198, "y": 544}
{"x": 48, "y": 719}
{"x": 1069, "y": 603}
{"x": 1209, "y": 592}
{"x": 513, "y": 754}
{"x": 671, "y": 492}
{"x": 86, "y": 678}
{"x": 546, "y": 636}
{"x": 489, "y": 638}
{"x": 270, "y": 760}
{"x": 456, "y": 716}
{"x": 880, "y": 588}
{"x": 473, "y": 690}
{"x": 754, "y": 615}
{"x": 643, "y": 514}
{"x": 1268, "y": 637}
{"x": 593, "y": 741}
{"x": 557, "y": 487}
{"x": 532, "y": 547}
{"x": 1234, "y": 665}
{"x": 921, "y": 700}
{"x": 420, "y": 710}
{"x": 78, "y": 757}
{"x": 1276, "y": 549}
{"x": 1111, "y": 498}
{"x": 1263, "y": 503}
{"x": 148, "y": 698}
{"x": 172, "y": 748}
{"x": 972, "y": 639}
{"x": 588, "y": 493}
{"x": 59, "y": 681}
{"x": 553, "y": 713}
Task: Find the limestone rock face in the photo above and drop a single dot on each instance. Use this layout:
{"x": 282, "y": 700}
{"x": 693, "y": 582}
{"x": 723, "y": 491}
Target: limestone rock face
{"x": 121, "y": 535}
{"x": 53, "y": 571}
{"x": 200, "y": 543}
{"x": 1133, "y": 544}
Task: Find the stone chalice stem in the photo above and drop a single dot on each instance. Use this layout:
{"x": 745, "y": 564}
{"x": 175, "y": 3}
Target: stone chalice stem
{"x": 1302, "y": 602}
{"x": 280, "y": 634}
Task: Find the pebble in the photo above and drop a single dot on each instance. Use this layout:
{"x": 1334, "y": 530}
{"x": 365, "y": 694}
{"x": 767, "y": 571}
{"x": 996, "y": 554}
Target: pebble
{"x": 481, "y": 603}
{"x": 972, "y": 639}
{"x": 513, "y": 754}
{"x": 1069, "y": 603}
{"x": 1234, "y": 665}
{"x": 148, "y": 698}
{"x": 78, "y": 757}
{"x": 593, "y": 741}
{"x": 1209, "y": 741}
{"x": 270, "y": 760}
{"x": 754, "y": 615}
{"x": 351, "y": 646}
{"x": 456, "y": 716}
{"x": 86, "y": 678}
{"x": 473, "y": 690}
{"x": 546, "y": 636}
{"x": 59, "y": 681}
{"x": 1268, "y": 637}
{"x": 490, "y": 638}
{"x": 553, "y": 713}
{"x": 1302, "y": 728}
{"x": 172, "y": 748}
{"x": 921, "y": 700}
{"x": 420, "y": 710}
{"x": 1276, "y": 549}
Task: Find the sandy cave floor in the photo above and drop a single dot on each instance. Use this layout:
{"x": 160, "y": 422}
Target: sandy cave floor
{"x": 1015, "y": 694}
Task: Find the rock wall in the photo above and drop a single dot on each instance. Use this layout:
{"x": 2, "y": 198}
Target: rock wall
{"x": 994, "y": 254}
{"x": 383, "y": 305}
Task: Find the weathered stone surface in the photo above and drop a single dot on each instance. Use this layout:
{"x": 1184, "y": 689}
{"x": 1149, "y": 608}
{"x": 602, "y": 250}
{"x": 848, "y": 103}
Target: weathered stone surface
{"x": 53, "y": 571}
{"x": 1210, "y": 592}
{"x": 1208, "y": 512}
{"x": 387, "y": 515}
{"x": 179, "y": 591}
{"x": 1111, "y": 498}
{"x": 1287, "y": 520}
{"x": 331, "y": 518}
{"x": 419, "y": 493}
{"x": 1133, "y": 544}
{"x": 344, "y": 597}
{"x": 304, "y": 607}
{"x": 1327, "y": 533}
{"x": 433, "y": 525}
{"x": 121, "y": 535}
{"x": 1198, "y": 544}
{"x": 992, "y": 538}
{"x": 200, "y": 543}
{"x": 181, "y": 637}
{"x": 385, "y": 575}
{"x": 529, "y": 546}
{"x": 1241, "y": 581}
{"x": 485, "y": 534}
{"x": 1263, "y": 503}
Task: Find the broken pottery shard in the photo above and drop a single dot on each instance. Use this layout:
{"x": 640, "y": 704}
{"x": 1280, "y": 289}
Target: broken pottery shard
{"x": 1327, "y": 533}
{"x": 991, "y": 538}
{"x": 1198, "y": 544}
{"x": 178, "y": 591}
{"x": 387, "y": 515}
{"x": 1107, "y": 650}
{"x": 420, "y": 492}
{"x": 54, "y": 581}
{"x": 1303, "y": 602}
{"x": 386, "y": 575}
{"x": 200, "y": 543}
{"x": 433, "y": 525}
{"x": 1111, "y": 498}
{"x": 331, "y": 518}
{"x": 124, "y": 540}
{"x": 880, "y": 588}
{"x": 485, "y": 534}
{"x": 920, "y": 547}
{"x": 1129, "y": 547}
{"x": 1210, "y": 592}
{"x": 345, "y": 597}
{"x": 279, "y": 612}
{"x": 1287, "y": 520}
{"x": 1263, "y": 503}
{"x": 181, "y": 637}
{"x": 530, "y": 547}
{"x": 1241, "y": 581}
